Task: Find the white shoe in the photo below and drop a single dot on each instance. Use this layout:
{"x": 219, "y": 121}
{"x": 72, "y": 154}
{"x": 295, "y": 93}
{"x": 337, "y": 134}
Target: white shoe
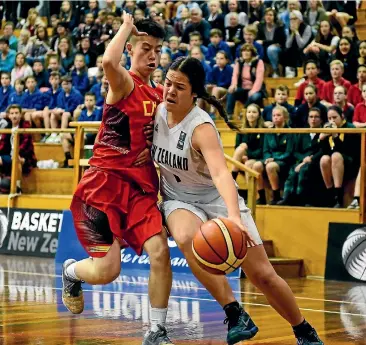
{"x": 51, "y": 138}
{"x": 275, "y": 75}
{"x": 290, "y": 72}
{"x": 57, "y": 139}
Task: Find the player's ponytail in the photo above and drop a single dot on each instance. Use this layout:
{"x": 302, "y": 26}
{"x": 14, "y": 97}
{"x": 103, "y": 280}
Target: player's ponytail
{"x": 196, "y": 75}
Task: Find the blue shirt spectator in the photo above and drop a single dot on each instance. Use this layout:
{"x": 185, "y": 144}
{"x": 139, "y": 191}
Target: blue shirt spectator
{"x": 71, "y": 101}
{"x": 5, "y": 92}
{"x": 214, "y": 49}
{"x": 221, "y": 77}
{"x": 17, "y": 98}
{"x": 80, "y": 81}
{"x": 96, "y": 115}
{"x": 51, "y": 97}
{"x": 7, "y": 56}
{"x": 33, "y": 100}
{"x": 96, "y": 89}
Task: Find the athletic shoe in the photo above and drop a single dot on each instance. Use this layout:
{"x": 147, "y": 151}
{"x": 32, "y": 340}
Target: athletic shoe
{"x": 160, "y": 337}
{"x": 354, "y": 205}
{"x": 243, "y": 329}
{"x": 72, "y": 293}
{"x": 311, "y": 338}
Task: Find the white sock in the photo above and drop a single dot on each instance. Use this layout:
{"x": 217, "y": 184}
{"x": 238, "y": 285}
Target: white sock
{"x": 157, "y": 317}
{"x": 70, "y": 271}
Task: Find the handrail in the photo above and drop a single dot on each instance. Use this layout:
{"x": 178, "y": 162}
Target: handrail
{"x": 296, "y": 130}
{"x": 241, "y": 166}
{"x": 91, "y": 124}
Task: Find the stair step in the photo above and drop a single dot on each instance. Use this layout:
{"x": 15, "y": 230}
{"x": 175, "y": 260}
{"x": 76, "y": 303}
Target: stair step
{"x": 288, "y": 268}
{"x": 268, "y": 247}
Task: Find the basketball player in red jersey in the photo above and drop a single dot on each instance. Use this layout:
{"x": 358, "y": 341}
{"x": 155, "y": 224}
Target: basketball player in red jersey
{"x": 115, "y": 203}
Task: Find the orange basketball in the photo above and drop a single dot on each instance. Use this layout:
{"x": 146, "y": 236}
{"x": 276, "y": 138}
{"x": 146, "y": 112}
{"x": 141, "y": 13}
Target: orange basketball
{"x": 220, "y": 246}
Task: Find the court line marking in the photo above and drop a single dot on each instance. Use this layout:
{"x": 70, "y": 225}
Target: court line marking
{"x": 189, "y": 298}
{"x": 200, "y": 288}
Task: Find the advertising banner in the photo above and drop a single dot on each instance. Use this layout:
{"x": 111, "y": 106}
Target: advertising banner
{"x": 30, "y": 232}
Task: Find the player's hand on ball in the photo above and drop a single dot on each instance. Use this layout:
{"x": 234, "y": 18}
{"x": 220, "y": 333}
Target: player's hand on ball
{"x": 243, "y": 228}
{"x": 128, "y": 21}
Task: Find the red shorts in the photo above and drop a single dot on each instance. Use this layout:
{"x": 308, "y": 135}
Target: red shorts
{"x": 106, "y": 207}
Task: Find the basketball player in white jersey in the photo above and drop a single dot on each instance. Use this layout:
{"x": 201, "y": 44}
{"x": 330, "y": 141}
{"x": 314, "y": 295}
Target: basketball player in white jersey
{"x": 196, "y": 186}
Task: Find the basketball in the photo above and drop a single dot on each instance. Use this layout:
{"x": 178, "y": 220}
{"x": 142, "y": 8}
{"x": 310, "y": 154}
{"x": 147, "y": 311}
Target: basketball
{"x": 220, "y": 246}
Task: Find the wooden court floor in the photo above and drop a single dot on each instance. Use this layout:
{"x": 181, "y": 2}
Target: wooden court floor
{"x": 31, "y": 311}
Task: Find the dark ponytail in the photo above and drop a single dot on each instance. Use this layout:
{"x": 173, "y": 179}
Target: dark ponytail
{"x": 196, "y": 75}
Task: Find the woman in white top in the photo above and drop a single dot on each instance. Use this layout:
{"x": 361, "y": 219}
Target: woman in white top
{"x": 196, "y": 186}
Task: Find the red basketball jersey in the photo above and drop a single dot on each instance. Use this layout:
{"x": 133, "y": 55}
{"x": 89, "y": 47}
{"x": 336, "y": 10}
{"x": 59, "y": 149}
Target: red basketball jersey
{"x": 121, "y": 137}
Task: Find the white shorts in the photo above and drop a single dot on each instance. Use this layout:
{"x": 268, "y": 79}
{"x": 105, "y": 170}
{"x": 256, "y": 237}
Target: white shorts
{"x": 214, "y": 209}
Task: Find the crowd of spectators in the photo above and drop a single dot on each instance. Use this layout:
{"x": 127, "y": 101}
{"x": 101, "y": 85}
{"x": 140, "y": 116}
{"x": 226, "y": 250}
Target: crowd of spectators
{"x": 52, "y": 69}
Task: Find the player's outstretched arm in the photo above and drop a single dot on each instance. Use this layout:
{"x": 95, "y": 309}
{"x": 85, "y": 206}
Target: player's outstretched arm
{"x": 120, "y": 82}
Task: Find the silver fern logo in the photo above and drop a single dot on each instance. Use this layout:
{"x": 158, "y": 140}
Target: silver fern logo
{"x": 3, "y": 227}
{"x": 354, "y": 254}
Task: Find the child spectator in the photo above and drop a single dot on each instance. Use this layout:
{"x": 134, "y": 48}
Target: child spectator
{"x": 311, "y": 70}
{"x": 94, "y": 71}
{"x": 53, "y": 65}
{"x": 340, "y": 99}
{"x": 336, "y": 71}
{"x": 33, "y": 100}
{"x": 62, "y": 32}
{"x": 67, "y": 15}
{"x": 220, "y": 78}
{"x": 340, "y": 157}
{"x": 362, "y": 53}
{"x": 17, "y": 97}
{"x": 216, "y": 45}
{"x": 300, "y": 119}
{"x": 93, "y": 8}
{"x": 100, "y": 90}
{"x": 195, "y": 40}
{"x": 33, "y": 21}
{"x": 165, "y": 62}
{"x": 233, "y": 7}
{"x": 314, "y": 15}
{"x": 83, "y": 112}
{"x": 40, "y": 74}
{"x": 157, "y": 77}
{"x": 8, "y": 33}
{"x": 21, "y": 69}
{"x": 40, "y": 46}
{"x": 67, "y": 101}
{"x": 249, "y": 147}
{"x": 250, "y": 33}
{"x": 175, "y": 52}
{"x": 354, "y": 94}
{"x": 281, "y": 95}
{"x": 5, "y": 91}
{"x": 86, "y": 50}
{"x": 216, "y": 19}
{"x": 65, "y": 52}
{"x": 182, "y": 22}
{"x": 87, "y": 29}
{"x": 197, "y": 53}
{"x": 277, "y": 154}
{"x": 359, "y": 118}
{"x": 26, "y": 156}
{"x": 247, "y": 82}
{"x": 51, "y": 100}
{"x": 79, "y": 74}
{"x": 7, "y": 56}
{"x": 24, "y": 43}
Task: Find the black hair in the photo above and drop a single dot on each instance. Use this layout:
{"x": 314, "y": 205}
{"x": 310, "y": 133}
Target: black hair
{"x": 336, "y": 109}
{"x": 91, "y": 94}
{"x": 150, "y": 27}
{"x": 316, "y": 63}
{"x": 196, "y": 75}
{"x": 4, "y": 40}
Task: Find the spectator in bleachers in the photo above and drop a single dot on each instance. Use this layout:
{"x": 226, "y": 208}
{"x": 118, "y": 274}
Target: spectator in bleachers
{"x": 354, "y": 93}
{"x": 292, "y": 5}
{"x": 340, "y": 100}
{"x": 281, "y": 96}
{"x": 307, "y": 153}
{"x": 88, "y": 111}
{"x": 157, "y": 77}
{"x": 220, "y": 78}
{"x": 79, "y": 74}
{"x": 175, "y": 52}
{"x": 341, "y": 13}
{"x": 299, "y": 37}
{"x": 100, "y": 90}
{"x": 197, "y": 53}
{"x": 62, "y": 32}
{"x": 5, "y": 91}
{"x": 216, "y": 19}
{"x": 181, "y": 23}
{"x": 94, "y": 72}
{"x": 197, "y": 24}
{"x": 54, "y": 24}
{"x": 350, "y": 32}
{"x": 33, "y": 100}
{"x": 53, "y": 64}
{"x": 186, "y": 4}
{"x": 255, "y": 11}
{"x": 347, "y": 53}
{"x": 300, "y": 119}
{"x": 359, "y": 118}
{"x": 340, "y": 159}
{"x": 160, "y": 19}
{"x": 314, "y": 15}
{"x": 7, "y": 56}
{"x": 104, "y": 31}
{"x": 41, "y": 74}
{"x": 87, "y": 51}
{"x": 67, "y": 15}
{"x": 67, "y": 101}
{"x": 8, "y": 33}
{"x": 140, "y": 14}
{"x": 195, "y": 40}
{"x": 272, "y": 36}
{"x": 311, "y": 71}
{"x": 40, "y": 46}
{"x": 247, "y": 83}
{"x": 233, "y": 32}
{"x": 33, "y": 21}
{"x": 129, "y": 6}
{"x": 277, "y": 154}
{"x": 250, "y": 33}
{"x": 27, "y": 157}
{"x": 66, "y": 54}
{"x": 362, "y": 53}
{"x": 87, "y": 29}
{"x": 280, "y": 6}
{"x": 336, "y": 72}
{"x": 116, "y": 24}
{"x": 17, "y": 96}
{"x": 21, "y": 69}
{"x": 50, "y": 99}
{"x": 217, "y": 44}
{"x": 249, "y": 147}
{"x": 24, "y": 43}
{"x": 93, "y": 8}
{"x": 321, "y": 48}
{"x": 242, "y": 17}
{"x": 165, "y": 62}
{"x": 111, "y": 7}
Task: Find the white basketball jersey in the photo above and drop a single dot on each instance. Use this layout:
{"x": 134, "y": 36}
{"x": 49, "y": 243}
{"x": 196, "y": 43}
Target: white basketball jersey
{"x": 183, "y": 170}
